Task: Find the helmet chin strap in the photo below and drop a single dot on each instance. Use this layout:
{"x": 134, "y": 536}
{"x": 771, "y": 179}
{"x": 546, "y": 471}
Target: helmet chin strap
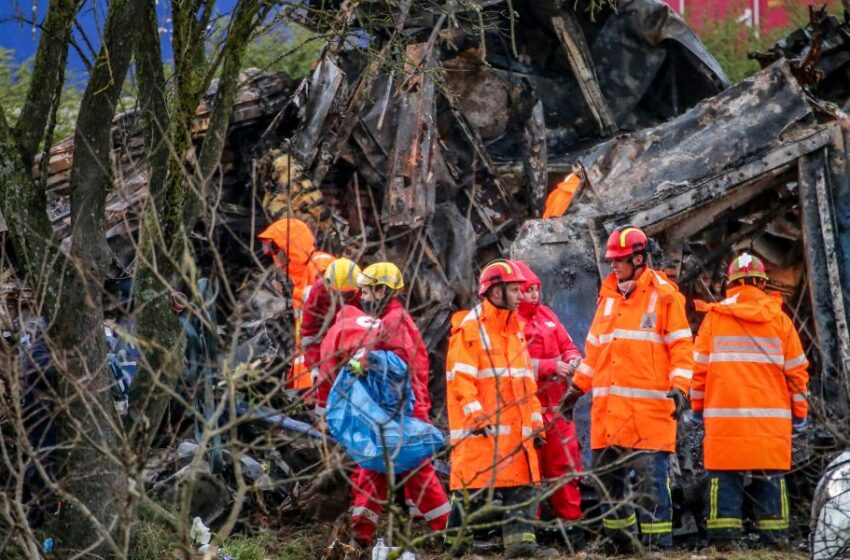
{"x": 635, "y": 268}
{"x": 503, "y": 304}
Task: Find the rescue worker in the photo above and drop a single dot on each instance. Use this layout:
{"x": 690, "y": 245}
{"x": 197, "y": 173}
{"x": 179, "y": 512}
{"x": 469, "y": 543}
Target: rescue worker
{"x": 381, "y": 285}
{"x": 750, "y": 385}
{"x": 292, "y": 246}
{"x": 336, "y": 288}
{"x": 638, "y": 364}
{"x": 494, "y": 416}
{"x": 555, "y": 359}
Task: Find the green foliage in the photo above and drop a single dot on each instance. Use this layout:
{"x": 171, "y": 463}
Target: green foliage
{"x": 730, "y": 41}
{"x": 283, "y": 48}
{"x": 152, "y": 541}
{"x": 266, "y": 546}
{"x": 14, "y": 84}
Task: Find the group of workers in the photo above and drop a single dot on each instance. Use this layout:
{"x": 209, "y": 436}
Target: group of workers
{"x": 513, "y": 377}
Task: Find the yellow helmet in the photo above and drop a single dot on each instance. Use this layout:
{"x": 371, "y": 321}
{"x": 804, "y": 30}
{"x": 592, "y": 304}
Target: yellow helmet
{"x": 341, "y": 275}
{"x": 381, "y": 274}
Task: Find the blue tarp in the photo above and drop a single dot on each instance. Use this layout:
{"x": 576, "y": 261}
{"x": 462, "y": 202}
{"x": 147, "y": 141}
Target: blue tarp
{"x": 370, "y": 416}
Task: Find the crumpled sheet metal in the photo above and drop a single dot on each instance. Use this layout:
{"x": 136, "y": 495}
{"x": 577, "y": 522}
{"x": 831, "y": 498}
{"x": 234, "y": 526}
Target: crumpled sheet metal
{"x": 737, "y": 124}
{"x": 629, "y": 52}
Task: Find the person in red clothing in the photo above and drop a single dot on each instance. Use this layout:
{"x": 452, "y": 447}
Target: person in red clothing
{"x": 336, "y": 288}
{"x": 555, "y": 359}
{"x": 380, "y": 285}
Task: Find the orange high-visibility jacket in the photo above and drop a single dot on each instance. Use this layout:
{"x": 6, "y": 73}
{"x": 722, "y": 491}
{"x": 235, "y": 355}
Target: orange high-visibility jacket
{"x": 749, "y": 380}
{"x": 637, "y": 349}
{"x": 559, "y": 199}
{"x": 490, "y": 383}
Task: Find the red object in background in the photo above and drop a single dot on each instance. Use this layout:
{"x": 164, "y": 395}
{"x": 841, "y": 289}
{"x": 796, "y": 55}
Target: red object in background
{"x": 764, "y": 14}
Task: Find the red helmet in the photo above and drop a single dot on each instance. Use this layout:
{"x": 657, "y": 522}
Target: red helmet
{"x": 626, "y": 241}
{"x": 499, "y": 271}
{"x": 531, "y": 279}
{"x": 746, "y": 266}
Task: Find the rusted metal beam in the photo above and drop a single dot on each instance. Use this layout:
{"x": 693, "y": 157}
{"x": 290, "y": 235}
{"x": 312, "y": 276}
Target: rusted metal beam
{"x": 572, "y": 38}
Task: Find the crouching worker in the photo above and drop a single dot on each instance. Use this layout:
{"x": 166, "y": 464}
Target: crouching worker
{"x": 494, "y": 417}
{"x": 749, "y": 385}
{"x": 555, "y": 359}
{"x": 381, "y": 285}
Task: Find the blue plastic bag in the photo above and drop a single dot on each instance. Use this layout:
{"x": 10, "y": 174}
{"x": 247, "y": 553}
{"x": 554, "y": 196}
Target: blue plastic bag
{"x": 370, "y": 417}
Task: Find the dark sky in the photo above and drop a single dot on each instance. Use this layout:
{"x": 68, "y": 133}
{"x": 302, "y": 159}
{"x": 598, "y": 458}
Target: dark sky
{"x": 18, "y": 35}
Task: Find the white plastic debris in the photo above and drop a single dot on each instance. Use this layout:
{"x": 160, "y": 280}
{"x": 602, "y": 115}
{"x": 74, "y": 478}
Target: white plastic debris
{"x": 200, "y": 534}
{"x": 382, "y": 552}
{"x": 831, "y": 510}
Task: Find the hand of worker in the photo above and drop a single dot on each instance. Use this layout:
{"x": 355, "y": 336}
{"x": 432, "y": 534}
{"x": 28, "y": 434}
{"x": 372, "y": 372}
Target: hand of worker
{"x": 569, "y": 401}
{"x": 564, "y": 369}
{"x": 482, "y": 431}
{"x": 539, "y": 441}
{"x": 680, "y": 400}
{"x": 799, "y": 424}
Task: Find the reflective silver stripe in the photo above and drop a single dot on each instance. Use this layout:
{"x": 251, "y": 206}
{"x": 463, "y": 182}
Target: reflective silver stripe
{"x": 799, "y": 397}
{"x": 798, "y": 361}
{"x": 697, "y": 394}
{"x": 475, "y": 315}
{"x": 585, "y": 369}
{"x": 634, "y": 393}
{"x": 299, "y": 359}
{"x": 747, "y": 413}
{"x": 653, "y": 300}
{"x": 592, "y": 339}
{"x": 678, "y": 335}
{"x": 661, "y": 281}
{"x": 700, "y": 358}
{"x": 599, "y": 392}
{"x": 527, "y": 432}
{"x": 438, "y": 511}
{"x": 319, "y": 410}
{"x": 715, "y": 357}
{"x": 681, "y": 372}
{"x": 460, "y": 367}
{"x": 535, "y": 365}
{"x": 414, "y": 511}
{"x": 767, "y": 345}
{"x": 307, "y": 341}
{"x": 502, "y": 430}
{"x": 536, "y": 417}
{"x": 609, "y": 306}
{"x": 504, "y": 372}
{"x": 363, "y": 511}
{"x": 474, "y": 406}
{"x": 629, "y": 334}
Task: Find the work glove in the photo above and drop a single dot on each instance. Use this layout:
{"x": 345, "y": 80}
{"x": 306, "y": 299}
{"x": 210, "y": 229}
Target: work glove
{"x": 799, "y": 424}
{"x": 539, "y": 441}
{"x": 569, "y": 401}
{"x": 681, "y": 401}
{"x": 565, "y": 369}
{"x": 482, "y": 431}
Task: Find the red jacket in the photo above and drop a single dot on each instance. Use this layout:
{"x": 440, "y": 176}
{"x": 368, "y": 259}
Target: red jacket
{"x": 318, "y": 315}
{"x": 399, "y": 334}
{"x": 352, "y": 330}
{"x": 548, "y": 341}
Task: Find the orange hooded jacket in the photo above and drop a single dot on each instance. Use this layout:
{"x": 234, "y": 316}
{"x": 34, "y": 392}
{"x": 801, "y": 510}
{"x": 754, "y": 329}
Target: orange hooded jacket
{"x": 749, "y": 380}
{"x": 638, "y": 348}
{"x": 490, "y": 384}
{"x": 304, "y": 264}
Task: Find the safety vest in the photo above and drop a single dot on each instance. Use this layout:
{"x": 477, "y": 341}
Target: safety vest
{"x": 750, "y": 378}
{"x": 637, "y": 349}
{"x": 490, "y": 384}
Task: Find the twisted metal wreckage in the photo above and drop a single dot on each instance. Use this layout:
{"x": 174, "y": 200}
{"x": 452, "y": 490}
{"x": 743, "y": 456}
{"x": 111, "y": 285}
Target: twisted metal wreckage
{"x": 438, "y": 146}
